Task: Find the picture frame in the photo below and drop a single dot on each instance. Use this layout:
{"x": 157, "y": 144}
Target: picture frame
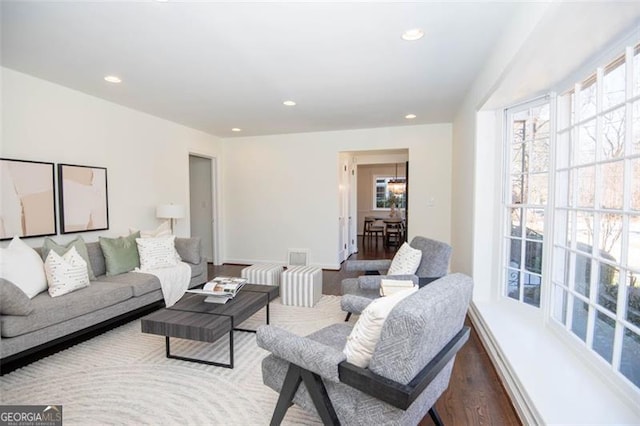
{"x": 83, "y": 198}
{"x": 28, "y": 196}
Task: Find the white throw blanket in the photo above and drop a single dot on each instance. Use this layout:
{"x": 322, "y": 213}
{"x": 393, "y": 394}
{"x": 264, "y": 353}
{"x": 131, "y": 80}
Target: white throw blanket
{"x": 174, "y": 281}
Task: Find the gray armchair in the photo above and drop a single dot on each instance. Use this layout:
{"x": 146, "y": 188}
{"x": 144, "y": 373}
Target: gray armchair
{"x": 410, "y": 368}
{"x": 358, "y": 292}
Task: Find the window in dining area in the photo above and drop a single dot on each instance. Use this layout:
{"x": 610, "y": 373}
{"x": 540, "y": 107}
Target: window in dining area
{"x": 384, "y": 197}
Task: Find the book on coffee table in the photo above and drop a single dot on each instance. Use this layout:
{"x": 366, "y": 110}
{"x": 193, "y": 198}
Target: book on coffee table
{"x": 220, "y": 289}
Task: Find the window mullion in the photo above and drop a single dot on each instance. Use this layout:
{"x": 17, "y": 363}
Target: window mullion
{"x": 549, "y": 222}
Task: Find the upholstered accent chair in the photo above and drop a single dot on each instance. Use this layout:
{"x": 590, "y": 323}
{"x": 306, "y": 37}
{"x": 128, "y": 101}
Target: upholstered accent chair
{"x": 409, "y": 370}
{"x": 358, "y": 292}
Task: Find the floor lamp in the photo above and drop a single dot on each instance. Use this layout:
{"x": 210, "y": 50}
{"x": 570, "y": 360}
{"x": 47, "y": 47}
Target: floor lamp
{"x": 170, "y": 211}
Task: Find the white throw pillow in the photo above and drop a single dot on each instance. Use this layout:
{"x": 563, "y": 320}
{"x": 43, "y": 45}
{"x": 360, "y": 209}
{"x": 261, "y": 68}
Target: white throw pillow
{"x": 406, "y": 261}
{"x": 164, "y": 230}
{"x": 389, "y": 287}
{"x": 156, "y": 253}
{"x": 365, "y": 334}
{"x": 23, "y": 266}
{"x": 65, "y": 273}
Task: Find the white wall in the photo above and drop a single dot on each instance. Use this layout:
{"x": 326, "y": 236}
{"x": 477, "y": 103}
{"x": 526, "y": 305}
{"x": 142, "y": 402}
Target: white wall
{"x": 281, "y": 191}
{"x": 146, "y": 157}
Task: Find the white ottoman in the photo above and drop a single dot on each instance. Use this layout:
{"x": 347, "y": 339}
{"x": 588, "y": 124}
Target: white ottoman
{"x": 265, "y": 273}
{"x": 301, "y": 286}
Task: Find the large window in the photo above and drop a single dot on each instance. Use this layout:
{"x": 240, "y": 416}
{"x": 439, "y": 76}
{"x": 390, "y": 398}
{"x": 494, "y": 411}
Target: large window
{"x": 572, "y": 185}
{"x": 526, "y": 197}
{"x": 596, "y": 242}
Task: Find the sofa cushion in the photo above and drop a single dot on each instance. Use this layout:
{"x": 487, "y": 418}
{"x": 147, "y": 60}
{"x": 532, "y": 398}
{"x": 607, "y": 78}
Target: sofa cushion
{"x": 189, "y": 249}
{"x": 96, "y": 258}
{"x": 140, "y": 283}
{"x": 61, "y": 249}
{"x": 120, "y": 254}
{"x": 65, "y": 273}
{"x": 53, "y": 310}
{"x": 21, "y": 265}
{"x": 13, "y": 301}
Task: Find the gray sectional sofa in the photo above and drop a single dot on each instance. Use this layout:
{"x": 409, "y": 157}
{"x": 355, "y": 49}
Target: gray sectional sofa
{"x": 109, "y": 298}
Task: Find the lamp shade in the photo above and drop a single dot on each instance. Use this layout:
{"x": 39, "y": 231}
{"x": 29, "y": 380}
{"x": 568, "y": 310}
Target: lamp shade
{"x": 170, "y": 211}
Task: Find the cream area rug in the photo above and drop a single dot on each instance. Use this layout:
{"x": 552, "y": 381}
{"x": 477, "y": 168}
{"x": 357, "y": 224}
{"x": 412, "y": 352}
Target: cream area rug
{"x": 122, "y": 377}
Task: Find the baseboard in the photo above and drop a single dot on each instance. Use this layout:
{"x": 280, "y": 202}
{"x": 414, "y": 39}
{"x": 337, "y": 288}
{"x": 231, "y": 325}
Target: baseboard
{"x": 521, "y": 401}
{"x": 332, "y": 266}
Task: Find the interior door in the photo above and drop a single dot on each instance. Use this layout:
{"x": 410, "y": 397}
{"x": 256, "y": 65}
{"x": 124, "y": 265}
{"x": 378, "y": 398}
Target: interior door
{"x": 201, "y": 203}
{"x": 353, "y": 209}
{"x": 343, "y": 206}
{"x": 406, "y": 195}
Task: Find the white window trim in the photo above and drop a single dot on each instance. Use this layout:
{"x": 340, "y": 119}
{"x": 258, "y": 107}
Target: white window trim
{"x": 373, "y": 185}
{"x": 621, "y": 386}
{"x": 507, "y": 137}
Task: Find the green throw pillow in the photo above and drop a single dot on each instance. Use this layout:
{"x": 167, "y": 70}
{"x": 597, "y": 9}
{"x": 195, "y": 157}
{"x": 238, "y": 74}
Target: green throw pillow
{"x": 61, "y": 249}
{"x": 120, "y": 254}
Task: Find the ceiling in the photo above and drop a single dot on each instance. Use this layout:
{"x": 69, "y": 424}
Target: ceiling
{"x": 216, "y": 66}
{"x": 572, "y": 40}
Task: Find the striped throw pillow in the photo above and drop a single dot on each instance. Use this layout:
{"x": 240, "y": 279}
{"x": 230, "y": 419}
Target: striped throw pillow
{"x": 65, "y": 273}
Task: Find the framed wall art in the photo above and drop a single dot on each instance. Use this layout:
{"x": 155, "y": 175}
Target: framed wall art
{"x": 83, "y": 198}
{"x": 27, "y": 207}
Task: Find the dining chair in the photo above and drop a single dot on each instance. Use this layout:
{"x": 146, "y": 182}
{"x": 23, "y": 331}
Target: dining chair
{"x": 372, "y": 229}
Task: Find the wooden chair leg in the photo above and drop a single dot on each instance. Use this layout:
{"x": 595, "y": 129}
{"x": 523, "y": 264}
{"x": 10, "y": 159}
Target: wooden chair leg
{"x": 435, "y": 416}
{"x": 289, "y": 387}
{"x": 317, "y": 392}
{"x": 320, "y": 397}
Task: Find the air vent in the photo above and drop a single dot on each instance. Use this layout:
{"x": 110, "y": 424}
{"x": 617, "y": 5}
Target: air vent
{"x": 297, "y": 257}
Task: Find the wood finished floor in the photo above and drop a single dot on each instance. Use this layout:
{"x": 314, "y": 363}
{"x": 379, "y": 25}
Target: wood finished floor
{"x": 475, "y": 395}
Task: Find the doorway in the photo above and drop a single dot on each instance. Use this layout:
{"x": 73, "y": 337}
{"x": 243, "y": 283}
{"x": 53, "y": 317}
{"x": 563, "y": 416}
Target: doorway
{"x": 201, "y": 196}
{"x": 367, "y": 184}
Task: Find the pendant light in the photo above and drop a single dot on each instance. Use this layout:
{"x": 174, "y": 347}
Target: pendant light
{"x": 396, "y": 186}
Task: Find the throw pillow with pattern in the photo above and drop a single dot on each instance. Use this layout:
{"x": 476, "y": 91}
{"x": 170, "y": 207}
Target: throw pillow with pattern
{"x": 156, "y": 253}
{"x": 65, "y": 273}
{"x": 78, "y": 242}
{"x": 406, "y": 261}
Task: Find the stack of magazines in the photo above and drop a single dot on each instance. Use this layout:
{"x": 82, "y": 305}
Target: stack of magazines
{"x": 220, "y": 289}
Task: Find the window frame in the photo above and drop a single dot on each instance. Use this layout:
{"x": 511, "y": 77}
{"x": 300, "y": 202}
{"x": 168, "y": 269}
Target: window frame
{"x": 562, "y": 288}
{"x": 375, "y": 190}
{"x": 507, "y": 205}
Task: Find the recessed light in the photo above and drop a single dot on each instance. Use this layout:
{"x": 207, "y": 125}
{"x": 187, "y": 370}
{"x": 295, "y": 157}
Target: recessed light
{"x": 410, "y": 116}
{"x": 413, "y": 34}
{"x": 289, "y": 103}
{"x": 236, "y": 129}
{"x": 113, "y": 79}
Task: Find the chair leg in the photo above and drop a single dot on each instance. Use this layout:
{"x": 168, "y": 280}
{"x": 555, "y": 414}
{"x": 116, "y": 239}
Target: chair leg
{"x": 435, "y": 416}
{"x": 320, "y": 397}
{"x": 348, "y": 316}
{"x": 289, "y": 387}
{"x": 317, "y": 392}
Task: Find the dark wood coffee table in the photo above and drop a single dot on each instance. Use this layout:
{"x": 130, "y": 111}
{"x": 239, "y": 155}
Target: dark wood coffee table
{"x": 192, "y": 318}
